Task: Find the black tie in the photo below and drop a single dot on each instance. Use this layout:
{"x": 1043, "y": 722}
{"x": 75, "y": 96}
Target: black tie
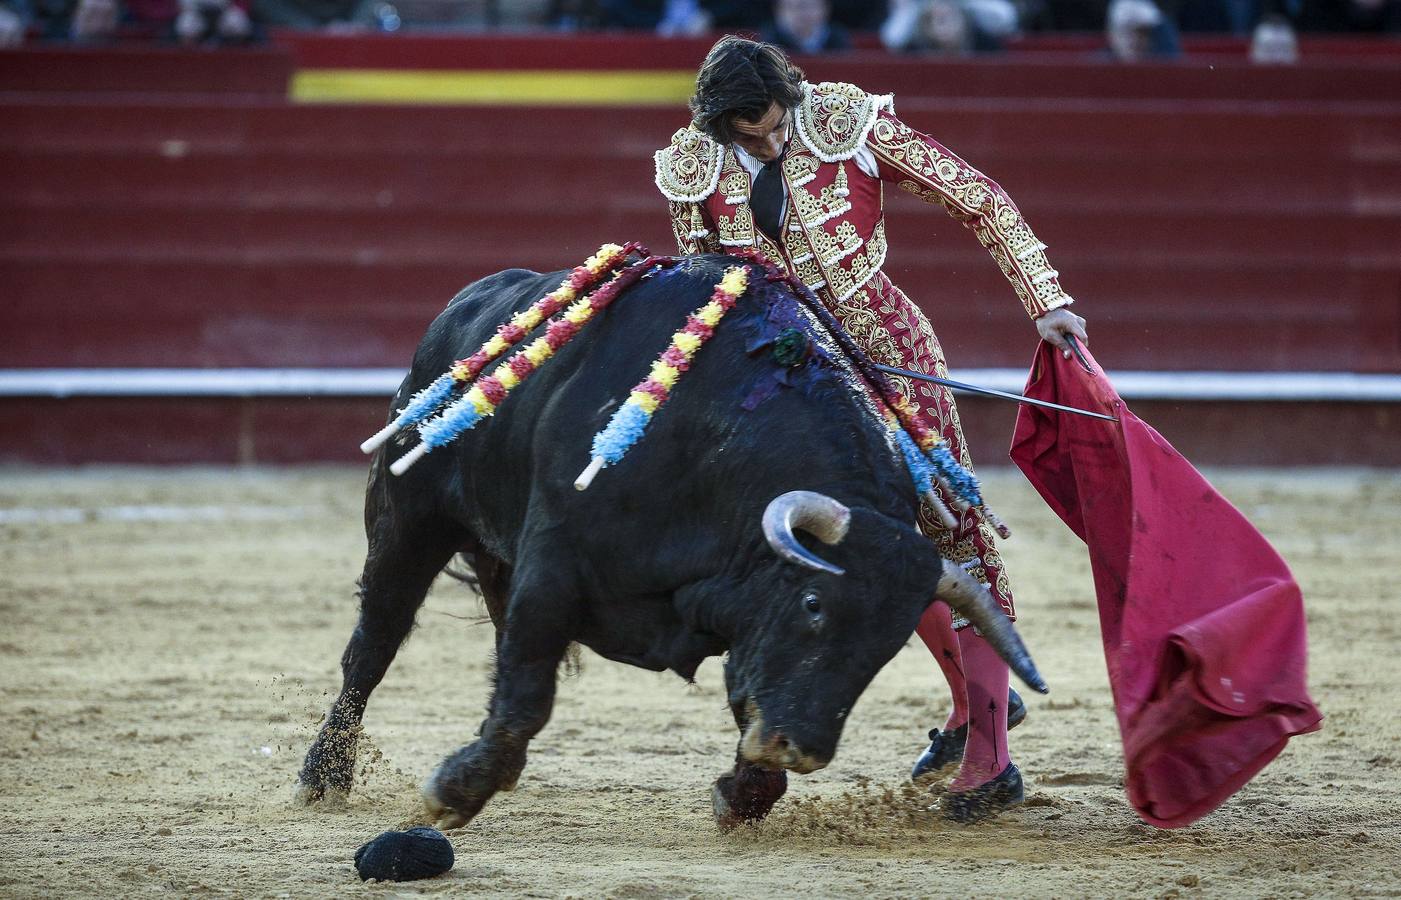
{"x": 766, "y": 198}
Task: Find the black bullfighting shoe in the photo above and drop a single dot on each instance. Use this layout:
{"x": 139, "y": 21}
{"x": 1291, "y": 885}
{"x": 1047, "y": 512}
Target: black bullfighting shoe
{"x": 986, "y": 800}
{"x": 946, "y": 747}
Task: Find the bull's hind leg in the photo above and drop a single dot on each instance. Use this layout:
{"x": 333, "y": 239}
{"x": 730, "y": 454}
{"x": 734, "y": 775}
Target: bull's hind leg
{"x": 402, "y": 562}
{"x": 539, "y": 625}
{"x": 746, "y": 795}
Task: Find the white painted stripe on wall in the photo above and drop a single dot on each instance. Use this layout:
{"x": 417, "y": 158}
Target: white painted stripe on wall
{"x": 1253, "y": 386}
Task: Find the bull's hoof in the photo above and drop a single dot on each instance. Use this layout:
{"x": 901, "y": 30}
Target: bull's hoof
{"x": 448, "y": 802}
{"x": 746, "y": 796}
{"x": 329, "y": 768}
{"x": 304, "y": 794}
{"x": 324, "y": 779}
{"x": 442, "y": 816}
{"x": 726, "y": 819}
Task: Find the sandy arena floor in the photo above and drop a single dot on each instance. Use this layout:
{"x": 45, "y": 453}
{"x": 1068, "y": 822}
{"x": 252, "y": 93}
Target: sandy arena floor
{"x": 171, "y": 638}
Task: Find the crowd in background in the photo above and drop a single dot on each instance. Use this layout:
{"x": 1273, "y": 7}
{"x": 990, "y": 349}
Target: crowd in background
{"x": 1132, "y": 29}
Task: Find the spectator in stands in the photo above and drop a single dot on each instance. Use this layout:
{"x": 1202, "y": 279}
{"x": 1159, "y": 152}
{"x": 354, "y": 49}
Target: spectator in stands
{"x": 685, "y": 18}
{"x": 14, "y": 22}
{"x": 951, "y": 27}
{"x": 1137, "y": 29}
{"x": 213, "y": 22}
{"x": 1274, "y": 42}
{"x": 394, "y": 15}
{"x": 805, "y": 26}
{"x": 93, "y": 20}
{"x": 667, "y": 17}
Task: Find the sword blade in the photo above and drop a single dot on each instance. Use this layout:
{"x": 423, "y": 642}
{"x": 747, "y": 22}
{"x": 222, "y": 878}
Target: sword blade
{"x": 991, "y": 392}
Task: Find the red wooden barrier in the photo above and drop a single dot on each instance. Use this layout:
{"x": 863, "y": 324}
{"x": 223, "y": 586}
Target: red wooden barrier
{"x": 281, "y": 430}
{"x": 1229, "y": 218}
{"x": 262, "y": 71}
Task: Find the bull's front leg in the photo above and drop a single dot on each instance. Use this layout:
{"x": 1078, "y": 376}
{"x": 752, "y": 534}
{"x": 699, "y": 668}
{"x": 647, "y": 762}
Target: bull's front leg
{"x": 746, "y": 795}
{"x": 537, "y": 633}
{"x": 399, "y": 569}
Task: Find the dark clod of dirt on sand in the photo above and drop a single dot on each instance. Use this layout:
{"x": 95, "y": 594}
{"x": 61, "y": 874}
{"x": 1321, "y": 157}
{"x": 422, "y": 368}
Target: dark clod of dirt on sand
{"x": 172, "y": 639}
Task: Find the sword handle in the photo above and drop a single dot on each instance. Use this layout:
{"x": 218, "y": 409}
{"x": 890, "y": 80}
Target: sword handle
{"x": 1079, "y": 354}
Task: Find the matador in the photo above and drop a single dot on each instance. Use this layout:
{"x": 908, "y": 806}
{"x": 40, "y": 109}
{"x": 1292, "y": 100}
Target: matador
{"x": 798, "y": 172}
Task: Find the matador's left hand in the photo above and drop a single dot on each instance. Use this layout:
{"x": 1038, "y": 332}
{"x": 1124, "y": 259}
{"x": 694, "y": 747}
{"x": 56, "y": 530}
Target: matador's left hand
{"x": 1056, "y": 324}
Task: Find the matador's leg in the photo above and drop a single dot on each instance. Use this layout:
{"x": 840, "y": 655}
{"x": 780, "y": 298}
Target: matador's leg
{"x": 977, "y": 676}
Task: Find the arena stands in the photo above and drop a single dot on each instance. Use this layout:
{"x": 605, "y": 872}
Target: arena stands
{"x": 271, "y": 229}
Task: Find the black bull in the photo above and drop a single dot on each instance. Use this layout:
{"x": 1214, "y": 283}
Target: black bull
{"x": 685, "y": 549}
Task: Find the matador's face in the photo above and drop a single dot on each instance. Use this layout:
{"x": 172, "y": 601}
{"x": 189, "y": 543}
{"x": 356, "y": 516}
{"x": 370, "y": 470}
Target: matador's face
{"x": 766, "y": 138}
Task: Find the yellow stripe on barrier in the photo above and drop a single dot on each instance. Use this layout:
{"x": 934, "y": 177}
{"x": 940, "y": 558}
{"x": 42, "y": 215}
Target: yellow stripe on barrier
{"x": 565, "y": 87}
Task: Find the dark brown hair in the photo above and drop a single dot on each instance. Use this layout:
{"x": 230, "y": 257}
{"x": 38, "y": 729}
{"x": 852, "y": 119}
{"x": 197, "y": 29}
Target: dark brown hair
{"x": 739, "y": 80}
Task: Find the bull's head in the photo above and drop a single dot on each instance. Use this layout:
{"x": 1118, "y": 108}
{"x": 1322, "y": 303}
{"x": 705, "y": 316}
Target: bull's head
{"x": 825, "y": 628}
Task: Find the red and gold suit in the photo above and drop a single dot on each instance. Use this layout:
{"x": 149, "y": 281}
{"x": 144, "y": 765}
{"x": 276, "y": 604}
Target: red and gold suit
{"x": 833, "y": 239}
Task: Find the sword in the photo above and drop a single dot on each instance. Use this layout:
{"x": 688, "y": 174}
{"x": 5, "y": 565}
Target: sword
{"x": 1079, "y": 354}
{"x": 990, "y": 392}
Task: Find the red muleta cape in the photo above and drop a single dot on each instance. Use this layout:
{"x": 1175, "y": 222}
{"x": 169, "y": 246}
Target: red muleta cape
{"x": 1203, "y": 625}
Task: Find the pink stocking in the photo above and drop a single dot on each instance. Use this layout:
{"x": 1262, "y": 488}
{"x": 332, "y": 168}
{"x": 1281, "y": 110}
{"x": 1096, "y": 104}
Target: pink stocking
{"x": 938, "y": 635}
{"x": 985, "y": 755}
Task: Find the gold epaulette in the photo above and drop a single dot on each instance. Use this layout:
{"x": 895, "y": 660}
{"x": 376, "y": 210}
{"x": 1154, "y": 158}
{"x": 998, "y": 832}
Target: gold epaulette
{"x": 835, "y": 118}
{"x": 689, "y": 169}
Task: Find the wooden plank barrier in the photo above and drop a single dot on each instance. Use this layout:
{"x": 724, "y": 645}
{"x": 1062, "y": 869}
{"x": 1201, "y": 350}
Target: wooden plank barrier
{"x": 1225, "y": 218}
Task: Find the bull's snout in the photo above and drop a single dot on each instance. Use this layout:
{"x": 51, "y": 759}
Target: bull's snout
{"x": 773, "y": 749}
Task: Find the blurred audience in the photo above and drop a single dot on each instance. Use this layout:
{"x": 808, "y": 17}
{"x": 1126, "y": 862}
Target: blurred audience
{"x": 100, "y": 21}
{"x": 415, "y": 15}
{"x": 1274, "y": 43}
{"x": 14, "y": 22}
{"x": 666, "y": 17}
{"x": 1212, "y": 16}
{"x": 859, "y": 15}
{"x": 1133, "y": 29}
{"x": 805, "y": 26}
{"x": 94, "y": 20}
{"x": 949, "y": 27}
{"x": 1137, "y": 30}
{"x": 305, "y": 13}
{"x": 1350, "y": 15}
{"x": 213, "y": 22}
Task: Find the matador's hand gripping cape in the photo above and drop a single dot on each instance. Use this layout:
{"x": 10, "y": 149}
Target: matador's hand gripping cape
{"x": 1203, "y": 625}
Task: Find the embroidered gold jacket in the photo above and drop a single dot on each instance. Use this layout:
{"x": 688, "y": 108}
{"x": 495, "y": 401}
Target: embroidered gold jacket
{"x": 834, "y": 236}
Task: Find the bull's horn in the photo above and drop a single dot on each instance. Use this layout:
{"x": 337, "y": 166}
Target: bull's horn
{"x": 815, "y": 513}
{"x": 968, "y": 596}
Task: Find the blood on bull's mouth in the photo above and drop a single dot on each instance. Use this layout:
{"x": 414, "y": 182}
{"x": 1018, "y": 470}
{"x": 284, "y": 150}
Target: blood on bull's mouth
{"x": 773, "y": 750}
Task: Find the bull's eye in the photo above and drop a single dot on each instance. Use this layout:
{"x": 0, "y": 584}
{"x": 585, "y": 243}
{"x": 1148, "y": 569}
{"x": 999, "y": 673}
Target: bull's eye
{"x": 812, "y": 604}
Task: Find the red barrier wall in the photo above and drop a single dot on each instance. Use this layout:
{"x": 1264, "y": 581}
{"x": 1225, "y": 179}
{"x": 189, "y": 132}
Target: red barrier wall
{"x": 260, "y": 71}
{"x": 258, "y": 233}
{"x": 282, "y": 430}
{"x": 1229, "y": 218}
{"x": 1041, "y": 66}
